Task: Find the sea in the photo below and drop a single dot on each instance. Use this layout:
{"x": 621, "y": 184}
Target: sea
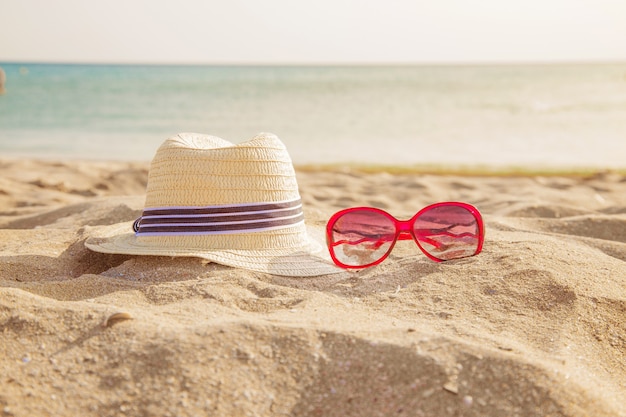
{"x": 531, "y": 116}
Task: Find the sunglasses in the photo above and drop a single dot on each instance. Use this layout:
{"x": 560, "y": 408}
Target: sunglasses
{"x": 361, "y": 237}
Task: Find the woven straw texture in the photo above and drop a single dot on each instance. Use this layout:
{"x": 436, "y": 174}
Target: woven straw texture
{"x": 198, "y": 170}
{"x": 194, "y": 170}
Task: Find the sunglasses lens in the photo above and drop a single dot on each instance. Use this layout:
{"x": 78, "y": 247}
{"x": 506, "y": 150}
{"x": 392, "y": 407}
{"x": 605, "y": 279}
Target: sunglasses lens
{"x": 448, "y": 232}
{"x": 362, "y": 238}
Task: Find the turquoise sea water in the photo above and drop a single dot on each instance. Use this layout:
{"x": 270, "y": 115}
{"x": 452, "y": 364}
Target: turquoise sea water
{"x": 524, "y": 115}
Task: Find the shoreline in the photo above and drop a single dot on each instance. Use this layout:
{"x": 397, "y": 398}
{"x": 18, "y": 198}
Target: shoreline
{"x": 473, "y": 170}
{"x": 462, "y": 170}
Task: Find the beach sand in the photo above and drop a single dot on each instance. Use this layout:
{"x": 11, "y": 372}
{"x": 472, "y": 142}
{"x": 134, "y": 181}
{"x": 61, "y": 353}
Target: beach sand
{"x": 533, "y": 326}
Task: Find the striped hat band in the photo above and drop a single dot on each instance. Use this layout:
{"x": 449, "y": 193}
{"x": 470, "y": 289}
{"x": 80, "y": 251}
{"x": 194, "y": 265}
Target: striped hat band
{"x": 221, "y": 219}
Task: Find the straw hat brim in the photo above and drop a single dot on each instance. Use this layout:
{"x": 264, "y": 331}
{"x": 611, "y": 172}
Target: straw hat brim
{"x": 310, "y": 259}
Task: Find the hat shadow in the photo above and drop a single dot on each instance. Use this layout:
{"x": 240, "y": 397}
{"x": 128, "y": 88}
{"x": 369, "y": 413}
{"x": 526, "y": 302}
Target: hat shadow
{"x": 79, "y": 274}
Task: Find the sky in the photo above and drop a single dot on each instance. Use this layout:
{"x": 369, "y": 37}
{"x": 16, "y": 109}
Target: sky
{"x": 312, "y": 32}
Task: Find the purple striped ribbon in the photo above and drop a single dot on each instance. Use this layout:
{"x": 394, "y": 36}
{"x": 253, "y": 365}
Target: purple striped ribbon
{"x": 215, "y": 220}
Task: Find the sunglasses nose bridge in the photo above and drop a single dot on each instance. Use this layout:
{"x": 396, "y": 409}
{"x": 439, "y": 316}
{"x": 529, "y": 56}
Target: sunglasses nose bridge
{"x": 404, "y": 230}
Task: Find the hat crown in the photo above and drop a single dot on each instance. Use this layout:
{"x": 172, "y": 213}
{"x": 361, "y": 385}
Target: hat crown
{"x": 191, "y": 169}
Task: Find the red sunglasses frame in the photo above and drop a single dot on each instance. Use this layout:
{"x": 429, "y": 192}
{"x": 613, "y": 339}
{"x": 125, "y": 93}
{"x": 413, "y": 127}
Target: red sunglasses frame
{"x": 404, "y": 231}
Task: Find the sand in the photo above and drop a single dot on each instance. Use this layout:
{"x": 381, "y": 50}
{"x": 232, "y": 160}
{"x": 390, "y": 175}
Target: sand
{"x": 533, "y": 326}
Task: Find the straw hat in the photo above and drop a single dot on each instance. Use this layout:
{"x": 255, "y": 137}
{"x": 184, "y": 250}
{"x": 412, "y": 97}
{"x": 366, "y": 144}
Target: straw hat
{"x": 236, "y": 205}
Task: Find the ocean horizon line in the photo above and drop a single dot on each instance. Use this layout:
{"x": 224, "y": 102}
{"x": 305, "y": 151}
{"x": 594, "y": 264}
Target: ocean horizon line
{"x": 425, "y": 64}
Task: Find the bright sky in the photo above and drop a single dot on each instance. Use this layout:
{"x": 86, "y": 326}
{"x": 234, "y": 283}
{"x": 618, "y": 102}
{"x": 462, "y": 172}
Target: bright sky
{"x": 316, "y": 31}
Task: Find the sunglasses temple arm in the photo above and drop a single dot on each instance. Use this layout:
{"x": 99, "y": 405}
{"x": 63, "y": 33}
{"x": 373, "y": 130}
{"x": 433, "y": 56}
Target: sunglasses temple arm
{"x": 426, "y": 237}
{"x": 431, "y": 242}
{"x": 377, "y": 242}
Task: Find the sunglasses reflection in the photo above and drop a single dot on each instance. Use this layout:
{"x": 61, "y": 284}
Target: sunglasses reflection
{"x": 456, "y": 237}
